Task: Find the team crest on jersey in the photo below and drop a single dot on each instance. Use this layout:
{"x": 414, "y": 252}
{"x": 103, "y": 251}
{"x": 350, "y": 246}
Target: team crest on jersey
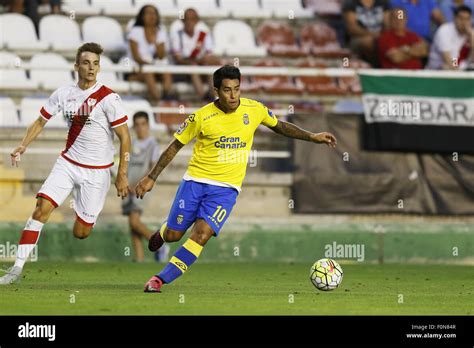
{"x": 246, "y": 119}
{"x": 182, "y": 127}
{"x": 179, "y": 219}
{"x": 91, "y": 101}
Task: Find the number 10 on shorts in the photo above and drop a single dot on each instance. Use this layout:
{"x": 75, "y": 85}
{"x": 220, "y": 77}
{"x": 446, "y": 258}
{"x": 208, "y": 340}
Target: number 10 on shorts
{"x": 220, "y": 213}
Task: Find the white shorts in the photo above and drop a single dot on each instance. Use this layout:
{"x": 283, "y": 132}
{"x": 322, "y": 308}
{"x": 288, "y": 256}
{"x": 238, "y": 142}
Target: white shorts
{"x": 89, "y": 188}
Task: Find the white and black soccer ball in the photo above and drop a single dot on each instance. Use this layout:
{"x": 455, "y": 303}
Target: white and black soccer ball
{"x": 326, "y": 274}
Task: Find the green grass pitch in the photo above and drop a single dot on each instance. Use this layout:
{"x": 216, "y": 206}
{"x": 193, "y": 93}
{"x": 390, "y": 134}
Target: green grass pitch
{"x": 238, "y": 289}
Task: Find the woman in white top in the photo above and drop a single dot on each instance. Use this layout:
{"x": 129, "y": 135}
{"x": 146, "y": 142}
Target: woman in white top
{"x": 147, "y": 41}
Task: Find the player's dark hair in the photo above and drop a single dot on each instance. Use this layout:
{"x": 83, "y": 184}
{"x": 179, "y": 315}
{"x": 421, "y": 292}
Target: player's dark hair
{"x": 139, "y": 20}
{"x": 89, "y": 47}
{"x": 141, "y": 114}
{"x": 225, "y": 72}
{"x": 462, "y": 8}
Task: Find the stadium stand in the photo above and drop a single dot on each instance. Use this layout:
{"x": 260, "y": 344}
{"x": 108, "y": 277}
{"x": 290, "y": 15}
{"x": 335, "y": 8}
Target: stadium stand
{"x": 110, "y": 78}
{"x": 276, "y": 84}
{"x": 234, "y": 37}
{"x": 107, "y": 31}
{"x": 29, "y": 107}
{"x": 167, "y": 8}
{"x": 65, "y": 40}
{"x": 286, "y": 9}
{"x": 209, "y": 7}
{"x": 8, "y": 113}
{"x": 12, "y": 78}
{"x": 115, "y": 8}
{"x": 279, "y": 39}
{"x": 80, "y": 7}
{"x": 18, "y": 33}
{"x": 320, "y": 39}
{"x": 321, "y": 85}
{"x": 244, "y": 9}
{"x": 52, "y": 78}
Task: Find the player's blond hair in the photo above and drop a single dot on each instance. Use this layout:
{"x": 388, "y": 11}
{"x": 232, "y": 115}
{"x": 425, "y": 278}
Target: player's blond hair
{"x": 89, "y": 47}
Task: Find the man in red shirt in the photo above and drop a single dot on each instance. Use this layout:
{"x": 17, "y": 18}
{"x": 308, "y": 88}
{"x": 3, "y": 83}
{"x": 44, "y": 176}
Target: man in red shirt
{"x": 399, "y": 48}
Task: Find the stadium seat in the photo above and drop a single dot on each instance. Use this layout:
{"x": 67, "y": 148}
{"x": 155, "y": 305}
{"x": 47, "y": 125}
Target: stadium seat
{"x": 167, "y": 8}
{"x": 105, "y": 31}
{"x": 205, "y": 8}
{"x": 244, "y": 9}
{"x": 50, "y": 79}
{"x": 279, "y": 39}
{"x": 235, "y": 38}
{"x": 287, "y": 9}
{"x": 352, "y": 84}
{"x": 275, "y": 84}
{"x": 30, "y": 110}
{"x": 324, "y": 7}
{"x": 18, "y": 33}
{"x": 66, "y": 39}
{"x": 115, "y": 7}
{"x": 80, "y": 7}
{"x": 12, "y": 77}
{"x": 8, "y": 113}
{"x": 321, "y": 85}
{"x": 133, "y": 105}
{"x": 109, "y": 78}
{"x": 320, "y": 39}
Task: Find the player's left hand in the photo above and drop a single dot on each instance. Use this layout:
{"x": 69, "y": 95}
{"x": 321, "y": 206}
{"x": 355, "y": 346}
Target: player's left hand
{"x": 121, "y": 183}
{"x": 325, "y": 138}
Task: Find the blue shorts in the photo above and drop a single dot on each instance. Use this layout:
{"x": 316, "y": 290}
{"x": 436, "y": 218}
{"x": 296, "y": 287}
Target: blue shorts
{"x": 195, "y": 200}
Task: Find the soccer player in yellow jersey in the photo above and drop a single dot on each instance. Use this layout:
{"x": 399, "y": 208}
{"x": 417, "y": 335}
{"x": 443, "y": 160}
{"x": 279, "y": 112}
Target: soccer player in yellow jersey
{"x": 224, "y": 133}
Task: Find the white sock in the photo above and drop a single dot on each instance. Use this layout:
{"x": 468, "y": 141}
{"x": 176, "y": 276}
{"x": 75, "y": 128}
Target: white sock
{"x": 28, "y": 240}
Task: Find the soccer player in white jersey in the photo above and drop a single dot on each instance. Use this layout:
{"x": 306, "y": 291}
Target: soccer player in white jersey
{"x": 94, "y": 113}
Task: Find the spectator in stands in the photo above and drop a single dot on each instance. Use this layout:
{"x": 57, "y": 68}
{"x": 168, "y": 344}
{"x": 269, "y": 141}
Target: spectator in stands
{"x": 453, "y": 42}
{"x": 420, "y": 13}
{"x": 398, "y": 47}
{"x": 192, "y": 44}
{"x": 364, "y": 21}
{"x": 147, "y": 41}
{"x": 30, "y": 8}
{"x": 448, "y": 6}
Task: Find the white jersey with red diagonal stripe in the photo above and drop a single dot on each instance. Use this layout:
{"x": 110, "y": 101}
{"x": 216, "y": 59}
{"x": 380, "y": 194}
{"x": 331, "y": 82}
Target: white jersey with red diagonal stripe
{"x": 91, "y": 115}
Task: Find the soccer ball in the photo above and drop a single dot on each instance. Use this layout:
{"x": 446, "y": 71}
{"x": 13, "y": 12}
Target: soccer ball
{"x": 326, "y": 274}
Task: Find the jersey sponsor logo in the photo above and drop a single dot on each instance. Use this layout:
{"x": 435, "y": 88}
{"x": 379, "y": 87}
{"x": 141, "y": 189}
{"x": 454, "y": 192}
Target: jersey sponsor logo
{"x": 182, "y": 127}
{"x": 179, "y": 219}
{"x": 245, "y": 118}
{"x": 270, "y": 113}
{"x": 91, "y": 101}
{"x": 230, "y": 143}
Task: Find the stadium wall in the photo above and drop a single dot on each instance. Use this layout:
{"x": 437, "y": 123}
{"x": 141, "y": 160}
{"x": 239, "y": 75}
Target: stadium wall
{"x": 389, "y": 242}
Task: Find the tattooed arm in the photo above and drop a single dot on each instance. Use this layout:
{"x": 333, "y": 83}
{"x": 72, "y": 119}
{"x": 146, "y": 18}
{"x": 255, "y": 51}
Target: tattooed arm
{"x": 291, "y": 130}
{"x": 146, "y": 183}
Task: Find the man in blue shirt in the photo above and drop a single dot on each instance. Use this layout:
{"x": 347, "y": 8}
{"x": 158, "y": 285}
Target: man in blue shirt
{"x": 420, "y": 13}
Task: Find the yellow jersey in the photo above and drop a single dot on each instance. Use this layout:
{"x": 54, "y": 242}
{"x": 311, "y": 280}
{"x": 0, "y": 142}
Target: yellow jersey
{"x": 223, "y": 141}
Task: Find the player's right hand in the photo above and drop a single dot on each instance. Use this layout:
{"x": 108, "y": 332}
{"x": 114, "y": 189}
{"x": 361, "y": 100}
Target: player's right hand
{"x": 15, "y": 155}
{"x": 144, "y": 185}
